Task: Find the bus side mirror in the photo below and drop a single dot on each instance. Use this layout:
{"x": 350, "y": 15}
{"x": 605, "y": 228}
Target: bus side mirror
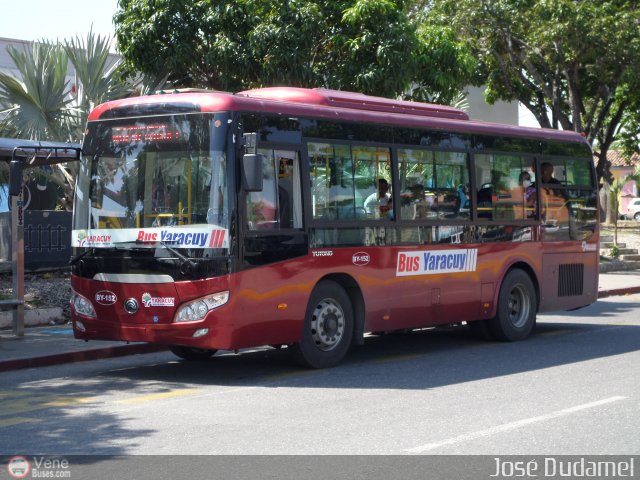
{"x": 15, "y": 177}
{"x": 252, "y": 172}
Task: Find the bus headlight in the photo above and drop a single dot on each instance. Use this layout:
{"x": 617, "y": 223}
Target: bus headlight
{"x": 82, "y": 305}
{"x": 198, "y": 309}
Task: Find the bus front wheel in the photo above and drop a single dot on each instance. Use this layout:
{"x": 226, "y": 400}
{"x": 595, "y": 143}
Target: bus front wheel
{"x": 516, "y": 314}
{"x": 328, "y": 327}
{"x": 189, "y": 353}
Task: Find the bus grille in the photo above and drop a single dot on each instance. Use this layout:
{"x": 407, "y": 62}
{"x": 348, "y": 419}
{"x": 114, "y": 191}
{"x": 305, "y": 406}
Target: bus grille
{"x": 571, "y": 280}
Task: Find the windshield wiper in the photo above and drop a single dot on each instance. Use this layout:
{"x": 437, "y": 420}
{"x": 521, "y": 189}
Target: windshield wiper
{"x": 192, "y": 266}
{"x": 75, "y": 259}
{"x": 187, "y": 265}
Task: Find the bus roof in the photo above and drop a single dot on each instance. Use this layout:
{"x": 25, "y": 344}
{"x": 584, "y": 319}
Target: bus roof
{"x": 323, "y": 104}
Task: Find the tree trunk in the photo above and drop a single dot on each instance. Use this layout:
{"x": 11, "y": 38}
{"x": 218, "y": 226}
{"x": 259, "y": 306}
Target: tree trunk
{"x": 603, "y": 170}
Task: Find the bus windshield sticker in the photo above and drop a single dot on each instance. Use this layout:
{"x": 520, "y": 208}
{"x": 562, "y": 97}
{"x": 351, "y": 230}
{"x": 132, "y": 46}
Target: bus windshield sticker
{"x": 436, "y": 261}
{"x": 180, "y": 237}
{"x": 149, "y": 301}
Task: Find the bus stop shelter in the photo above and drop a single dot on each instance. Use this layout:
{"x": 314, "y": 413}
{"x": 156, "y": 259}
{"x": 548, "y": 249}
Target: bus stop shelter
{"x": 20, "y": 155}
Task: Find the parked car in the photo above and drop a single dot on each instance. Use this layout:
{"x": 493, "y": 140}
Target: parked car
{"x": 633, "y": 209}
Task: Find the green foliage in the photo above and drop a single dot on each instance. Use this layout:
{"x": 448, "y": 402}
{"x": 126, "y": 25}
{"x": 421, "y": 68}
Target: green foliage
{"x": 41, "y": 104}
{"x": 96, "y": 77}
{"x": 37, "y": 106}
{"x": 614, "y": 251}
{"x": 372, "y": 46}
{"x": 572, "y": 64}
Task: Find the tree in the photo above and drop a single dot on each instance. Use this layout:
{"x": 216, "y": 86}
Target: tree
{"x": 372, "y": 46}
{"x": 572, "y": 64}
{"x": 42, "y": 105}
{"x": 38, "y": 106}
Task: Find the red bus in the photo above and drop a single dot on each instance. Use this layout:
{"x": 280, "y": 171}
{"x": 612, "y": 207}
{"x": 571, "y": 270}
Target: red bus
{"x": 310, "y": 217}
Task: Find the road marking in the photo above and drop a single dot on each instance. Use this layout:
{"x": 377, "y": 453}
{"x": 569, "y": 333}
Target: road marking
{"x": 158, "y": 396}
{"x": 9, "y": 422}
{"x": 512, "y": 426}
{"x": 31, "y": 404}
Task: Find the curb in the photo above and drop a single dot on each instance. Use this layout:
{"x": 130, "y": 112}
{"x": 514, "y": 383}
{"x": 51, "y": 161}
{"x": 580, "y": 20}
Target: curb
{"x": 618, "y": 291}
{"x": 80, "y": 356}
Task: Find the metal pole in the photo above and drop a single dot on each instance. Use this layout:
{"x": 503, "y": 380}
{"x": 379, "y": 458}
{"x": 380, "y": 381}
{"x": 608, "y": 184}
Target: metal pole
{"x": 17, "y": 262}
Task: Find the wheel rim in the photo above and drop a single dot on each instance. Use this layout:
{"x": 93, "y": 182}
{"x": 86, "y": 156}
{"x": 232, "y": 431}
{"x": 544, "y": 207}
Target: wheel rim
{"x": 327, "y": 324}
{"x": 518, "y": 306}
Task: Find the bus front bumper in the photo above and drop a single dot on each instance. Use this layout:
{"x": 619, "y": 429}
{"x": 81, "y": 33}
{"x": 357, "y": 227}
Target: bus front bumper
{"x": 196, "y": 334}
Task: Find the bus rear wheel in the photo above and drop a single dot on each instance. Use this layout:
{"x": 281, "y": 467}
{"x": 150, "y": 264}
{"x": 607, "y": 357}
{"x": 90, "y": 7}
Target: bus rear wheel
{"x": 189, "y": 353}
{"x": 516, "y": 314}
{"x": 328, "y": 327}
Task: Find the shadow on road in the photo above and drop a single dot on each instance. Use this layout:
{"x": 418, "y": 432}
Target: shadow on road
{"x": 53, "y": 419}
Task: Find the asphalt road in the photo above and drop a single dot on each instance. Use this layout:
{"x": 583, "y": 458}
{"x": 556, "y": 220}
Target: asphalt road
{"x": 572, "y": 388}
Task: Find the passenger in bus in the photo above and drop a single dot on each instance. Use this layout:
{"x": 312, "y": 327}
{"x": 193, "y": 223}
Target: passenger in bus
{"x": 463, "y": 199}
{"x": 411, "y": 199}
{"x": 546, "y": 169}
{"x": 553, "y": 205}
{"x": 524, "y": 196}
{"x": 378, "y": 204}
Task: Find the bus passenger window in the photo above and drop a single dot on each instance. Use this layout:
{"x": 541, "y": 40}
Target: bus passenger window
{"x": 434, "y": 185}
{"x": 502, "y": 194}
{"x": 345, "y": 179}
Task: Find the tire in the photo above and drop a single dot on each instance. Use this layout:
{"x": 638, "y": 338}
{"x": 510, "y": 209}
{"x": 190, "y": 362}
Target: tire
{"x": 328, "y": 327}
{"x": 516, "y": 314}
{"x": 189, "y": 353}
{"x": 637, "y": 216}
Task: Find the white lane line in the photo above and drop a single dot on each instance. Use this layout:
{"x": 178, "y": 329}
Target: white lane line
{"x": 512, "y": 426}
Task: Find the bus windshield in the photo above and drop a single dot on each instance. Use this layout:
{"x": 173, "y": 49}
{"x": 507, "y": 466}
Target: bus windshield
{"x": 154, "y": 180}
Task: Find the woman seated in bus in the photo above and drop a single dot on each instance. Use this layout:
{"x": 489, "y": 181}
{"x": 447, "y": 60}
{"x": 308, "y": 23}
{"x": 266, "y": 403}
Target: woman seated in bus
{"x": 525, "y": 196}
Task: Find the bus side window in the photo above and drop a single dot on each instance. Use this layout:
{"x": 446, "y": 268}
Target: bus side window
{"x": 278, "y": 204}
{"x": 501, "y": 193}
{"x": 261, "y": 206}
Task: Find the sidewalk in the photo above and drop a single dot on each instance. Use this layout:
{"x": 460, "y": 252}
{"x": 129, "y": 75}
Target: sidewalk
{"x": 43, "y": 346}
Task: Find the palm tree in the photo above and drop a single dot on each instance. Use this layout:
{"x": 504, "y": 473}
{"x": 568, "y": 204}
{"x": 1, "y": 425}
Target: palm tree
{"x": 38, "y": 105}
{"x": 42, "y": 105}
{"x": 97, "y": 79}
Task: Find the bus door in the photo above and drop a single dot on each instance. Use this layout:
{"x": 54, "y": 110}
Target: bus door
{"x": 273, "y": 216}
{"x": 567, "y": 203}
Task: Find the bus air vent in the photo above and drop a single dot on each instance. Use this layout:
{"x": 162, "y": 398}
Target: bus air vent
{"x": 359, "y": 101}
{"x": 571, "y": 280}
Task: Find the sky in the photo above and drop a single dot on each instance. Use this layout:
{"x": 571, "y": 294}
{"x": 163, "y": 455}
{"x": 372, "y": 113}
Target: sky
{"x": 56, "y": 19}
